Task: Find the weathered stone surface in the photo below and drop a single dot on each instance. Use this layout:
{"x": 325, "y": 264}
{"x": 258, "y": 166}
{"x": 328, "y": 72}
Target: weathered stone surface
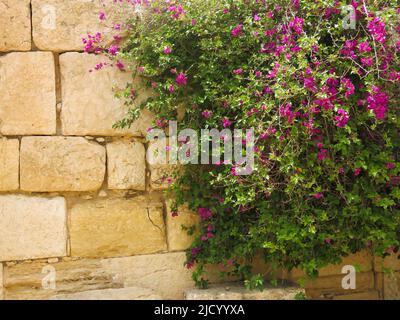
{"x": 132, "y": 293}
{"x": 367, "y": 295}
{"x": 27, "y": 91}
{"x": 9, "y": 164}
{"x": 126, "y": 165}
{"x": 117, "y": 227}
{"x": 164, "y": 273}
{"x": 323, "y": 287}
{"x": 32, "y": 227}
{"x": 1, "y": 282}
{"x": 362, "y": 261}
{"x": 157, "y": 156}
{"x": 391, "y": 286}
{"x": 59, "y": 25}
{"x": 25, "y": 280}
{"x": 15, "y": 25}
{"x": 61, "y": 164}
{"x": 238, "y": 292}
{"x": 390, "y": 263}
{"x": 178, "y": 238}
{"x": 89, "y": 103}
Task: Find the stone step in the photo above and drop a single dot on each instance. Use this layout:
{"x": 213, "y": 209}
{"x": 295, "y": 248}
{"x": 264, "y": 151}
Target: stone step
{"x": 238, "y": 292}
{"x": 131, "y": 293}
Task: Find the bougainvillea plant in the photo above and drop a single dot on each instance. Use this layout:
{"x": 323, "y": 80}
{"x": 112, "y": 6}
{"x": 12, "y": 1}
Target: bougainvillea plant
{"x": 323, "y": 100}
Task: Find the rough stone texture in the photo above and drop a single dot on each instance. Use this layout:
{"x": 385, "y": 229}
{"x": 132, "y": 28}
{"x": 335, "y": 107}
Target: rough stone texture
{"x": 32, "y": 227}
{"x": 390, "y": 263}
{"x": 178, "y": 238}
{"x": 89, "y": 103}
{"x": 117, "y": 227}
{"x": 165, "y": 273}
{"x": 126, "y": 165}
{"x": 132, "y": 293}
{"x": 1, "y": 282}
{"x": 59, "y": 25}
{"x": 158, "y": 159}
{"x": 24, "y": 280}
{"x": 367, "y": 295}
{"x": 15, "y": 25}
{"x": 238, "y": 292}
{"x": 325, "y": 287}
{"x": 391, "y": 286}
{"x": 9, "y": 164}
{"x": 27, "y": 91}
{"x": 361, "y": 260}
{"x": 61, "y": 164}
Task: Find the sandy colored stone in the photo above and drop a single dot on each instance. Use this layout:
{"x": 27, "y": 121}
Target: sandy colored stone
{"x": 61, "y": 164}
{"x": 9, "y": 164}
{"x": 24, "y": 280}
{"x": 391, "y": 286}
{"x": 132, "y": 293}
{"x": 332, "y": 285}
{"x": 60, "y": 25}
{"x": 238, "y": 292}
{"x": 27, "y": 91}
{"x": 15, "y": 25}
{"x": 117, "y": 227}
{"x": 367, "y": 295}
{"x": 126, "y": 165}
{"x": 89, "y": 103}
{"x": 178, "y": 237}
{"x": 390, "y": 263}
{"x": 157, "y": 157}
{"x": 32, "y": 227}
{"x": 1, "y": 282}
{"x": 164, "y": 273}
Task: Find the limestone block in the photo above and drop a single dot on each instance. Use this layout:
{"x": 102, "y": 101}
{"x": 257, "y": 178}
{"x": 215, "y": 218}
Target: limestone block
{"x": 9, "y": 164}
{"x": 132, "y": 293}
{"x": 126, "y": 165}
{"x": 117, "y": 227}
{"x": 1, "y": 282}
{"x": 32, "y": 227}
{"x": 164, "y": 273}
{"x": 27, "y": 91}
{"x": 51, "y": 164}
{"x": 238, "y": 292}
{"x": 90, "y": 107}
{"x": 15, "y": 25}
{"x": 367, "y": 295}
{"x": 60, "y": 25}
{"x": 178, "y": 237}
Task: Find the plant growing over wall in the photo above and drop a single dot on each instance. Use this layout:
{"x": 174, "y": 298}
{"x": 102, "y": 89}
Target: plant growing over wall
{"x": 324, "y": 102}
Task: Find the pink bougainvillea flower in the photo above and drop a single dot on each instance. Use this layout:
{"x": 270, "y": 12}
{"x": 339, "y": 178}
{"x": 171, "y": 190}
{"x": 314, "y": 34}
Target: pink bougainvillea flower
{"x": 378, "y": 102}
{"x": 297, "y": 25}
{"x": 390, "y": 166}
{"x": 141, "y": 69}
{"x": 120, "y": 65}
{"x": 167, "y": 50}
{"x": 367, "y": 62}
{"x": 342, "y": 118}
{"x": 364, "y": 47}
{"x": 206, "y": 114}
{"x": 357, "y": 172}
{"x": 226, "y": 122}
{"x": 322, "y": 154}
{"x": 205, "y": 213}
{"x": 318, "y": 196}
{"x": 238, "y": 71}
{"x": 237, "y": 31}
{"x": 348, "y": 85}
{"x": 174, "y": 214}
{"x": 181, "y": 79}
{"x": 256, "y": 17}
{"x": 171, "y": 88}
{"x": 377, "y": 28}
{"x": 102, "y": 16}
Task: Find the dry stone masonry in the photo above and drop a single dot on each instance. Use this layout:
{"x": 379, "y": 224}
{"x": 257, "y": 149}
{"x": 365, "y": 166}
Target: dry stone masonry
{"x": 82, "y": 210}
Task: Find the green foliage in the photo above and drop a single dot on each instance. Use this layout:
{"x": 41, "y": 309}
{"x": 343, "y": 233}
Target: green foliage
{"x": 323, "y": 186}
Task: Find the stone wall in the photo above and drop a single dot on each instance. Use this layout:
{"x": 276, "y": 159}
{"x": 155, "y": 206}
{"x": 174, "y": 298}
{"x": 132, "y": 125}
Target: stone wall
{"x": 82, "y": 214}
